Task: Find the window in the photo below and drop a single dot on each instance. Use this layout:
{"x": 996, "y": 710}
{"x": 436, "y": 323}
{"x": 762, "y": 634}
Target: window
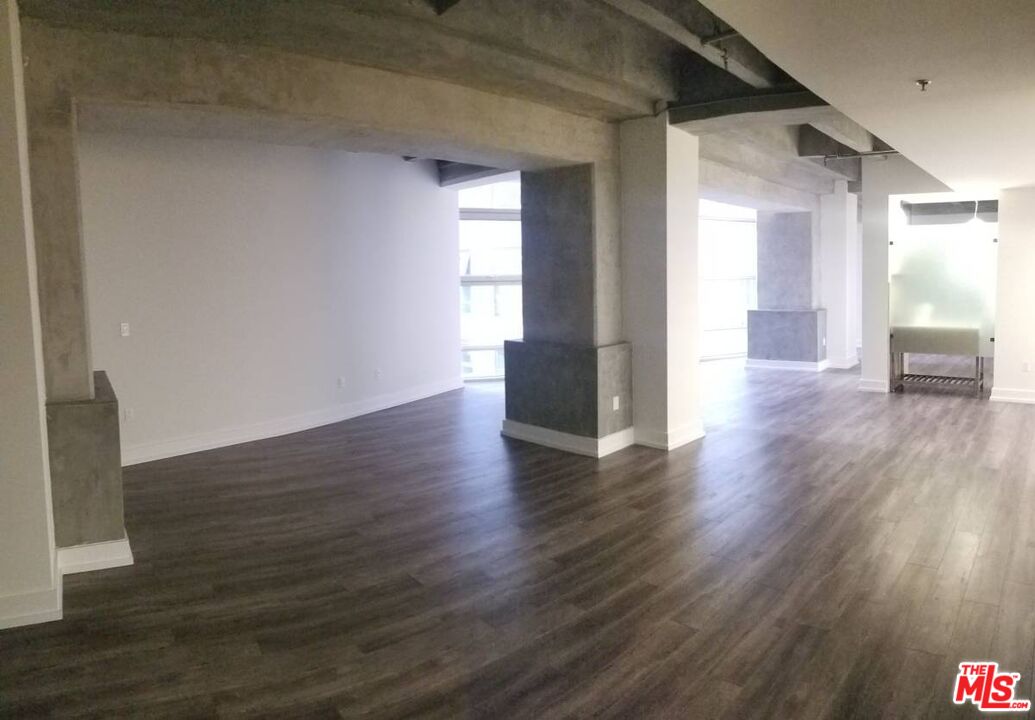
{"x": 490, "y": 276}
{"x": 728, "y": 261}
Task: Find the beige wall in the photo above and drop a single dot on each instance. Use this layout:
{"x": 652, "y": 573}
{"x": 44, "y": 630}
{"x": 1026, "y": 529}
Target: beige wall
{"x": 30, "y": 589}
{"x": 254, "y": 277}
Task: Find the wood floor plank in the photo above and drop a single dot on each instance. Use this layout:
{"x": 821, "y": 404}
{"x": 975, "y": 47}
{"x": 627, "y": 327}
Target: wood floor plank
{"x": 821, "y": 553}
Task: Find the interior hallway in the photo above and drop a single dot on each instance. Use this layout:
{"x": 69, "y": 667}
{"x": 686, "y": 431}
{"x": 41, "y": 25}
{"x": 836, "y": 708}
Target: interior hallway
{"x": 821, "y": 553}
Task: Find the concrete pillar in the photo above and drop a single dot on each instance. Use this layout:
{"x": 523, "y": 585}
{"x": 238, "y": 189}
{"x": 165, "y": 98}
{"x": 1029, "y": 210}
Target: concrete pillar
{"x": 787, "y": 331}
{"x": 1015, "y": 298}
{"x": 59, "y": 244}
{"x": 838, "y": 213}
{"x": 660, "y": 278}
{"x": 568, "y": 379}
{"x": 30, "y": 587}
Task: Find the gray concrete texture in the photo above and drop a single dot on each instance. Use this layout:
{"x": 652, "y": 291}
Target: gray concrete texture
{"x": 557, "y": 239}
{"x": 784, "y": 261}
{"x": 569, "y": 388}
{"x": 86, "y": 468}
{"x": 790, "y": 335}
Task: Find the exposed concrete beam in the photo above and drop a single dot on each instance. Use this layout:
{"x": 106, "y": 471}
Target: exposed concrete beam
{"x": 845, "y": 131}
{"x": 455, "y": 173}
{"x": 754, "y": 74}
{"x": 785, "y": 108}
{"x": 733, "y": 185}
{"x": 815, "y": 144}
{"x": 774, "y": 166}
{"x": 720, "y": 37}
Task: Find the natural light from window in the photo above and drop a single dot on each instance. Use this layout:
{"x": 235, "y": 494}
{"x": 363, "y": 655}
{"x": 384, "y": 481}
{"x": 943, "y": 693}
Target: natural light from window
{"x": 727, "y": 251}
{"x": 490, "y": 276}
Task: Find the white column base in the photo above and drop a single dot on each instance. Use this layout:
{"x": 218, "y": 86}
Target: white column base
{"x": 1013, "y": 395}
{"x": 94, "y": 556}
{"x": 669, "y": 440}
{"x": 578, "y": 444}
{"x": 800, "y": 365}
{"x": 875, "y": 386}
{"x": 846, "y": 363}
{"x": 31, "y": 608}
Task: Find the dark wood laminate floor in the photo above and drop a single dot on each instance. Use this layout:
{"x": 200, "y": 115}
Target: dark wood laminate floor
{"x": 821, "y": 553}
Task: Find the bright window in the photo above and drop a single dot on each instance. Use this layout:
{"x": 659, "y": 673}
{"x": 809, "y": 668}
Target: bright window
{"x": 727, "y": 251}
{"x": 490, "y": 276}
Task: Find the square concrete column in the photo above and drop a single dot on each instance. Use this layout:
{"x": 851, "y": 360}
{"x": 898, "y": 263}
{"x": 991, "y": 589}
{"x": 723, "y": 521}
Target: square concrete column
{"x": 30, "y": 586}
{"x": 660, "y": 278}
{"x": 568, "y": 379}
{"x": 787, "y": 331}
{"x": 1015, "y": 298}
{"x": 838, "y": 213}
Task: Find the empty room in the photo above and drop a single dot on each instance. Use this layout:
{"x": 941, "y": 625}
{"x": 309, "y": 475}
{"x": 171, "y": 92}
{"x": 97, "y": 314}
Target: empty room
{"x": 516, "y": 359}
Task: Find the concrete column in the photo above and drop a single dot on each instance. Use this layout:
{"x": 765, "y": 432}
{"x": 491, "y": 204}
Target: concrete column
{"x": 568, "y": 379}
{"x": 838, "y": 213}
{"x": 659, "y": 260}
{"x": 30, "y": 587}
{"x": 56, "y": 215}
{"x": 787, "y": 331}
{"x": 1015, "y": 298}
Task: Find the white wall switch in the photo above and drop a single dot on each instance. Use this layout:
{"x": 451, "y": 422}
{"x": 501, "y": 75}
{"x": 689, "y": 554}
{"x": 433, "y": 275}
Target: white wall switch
{"x": 616, "y": 402}
{"x": 124, "y": 329}
{"x": 341, "y": 383}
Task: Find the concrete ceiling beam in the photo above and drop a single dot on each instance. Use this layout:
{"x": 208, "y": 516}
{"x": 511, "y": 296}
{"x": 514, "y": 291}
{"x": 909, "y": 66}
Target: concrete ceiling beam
{"x": 455, "y": 173}
{"x": 813, "y": 143}
{"x": 845, "y": 131}
{"x": 745, "y": 66}
{"x": 779, "y": 108}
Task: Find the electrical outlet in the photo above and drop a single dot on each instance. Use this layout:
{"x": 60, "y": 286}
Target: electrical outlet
{"x": 378, "y": 374}
{"x": 1026, "y": 367}
{"x": 124, "y": 329}
{"x": 616, "y": 403}
{"x": 127, "y": 414}
{"x": 341, "y": 383}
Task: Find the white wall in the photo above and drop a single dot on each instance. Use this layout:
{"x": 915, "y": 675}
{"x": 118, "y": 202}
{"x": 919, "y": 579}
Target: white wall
{"x": 882, "y": 176}
{"x": 30, "y": 587}
{"x": 659, "y": 166}
{"x": 1015, "y": 298}
{"x": 254, "y": 276}
{"x": 839, "y": 258}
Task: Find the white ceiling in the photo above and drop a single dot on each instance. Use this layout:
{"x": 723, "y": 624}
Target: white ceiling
{"x": 974, "y": 129}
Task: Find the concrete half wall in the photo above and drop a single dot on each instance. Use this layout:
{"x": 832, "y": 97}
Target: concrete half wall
{"x": 569, "y": 388}
{"x": 787, "y": 336}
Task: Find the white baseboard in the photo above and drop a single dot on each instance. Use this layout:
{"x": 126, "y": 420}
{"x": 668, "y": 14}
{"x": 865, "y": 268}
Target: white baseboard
{"x": 846, "y": 363}
{"x": 30, "y": 608}
{"x": 669, "y": 440}
{"x": 800, "y": 365}
{"x": 876, "y": 386}
{"x": 593, "y": 447}
{"x": 145, "y": 452}
{"x": 1013, "y": 395}
{"x": 94, "y": 556}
